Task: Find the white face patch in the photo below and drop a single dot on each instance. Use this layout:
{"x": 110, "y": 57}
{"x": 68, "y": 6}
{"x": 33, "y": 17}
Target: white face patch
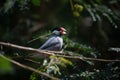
{"x": 56, "y": 32}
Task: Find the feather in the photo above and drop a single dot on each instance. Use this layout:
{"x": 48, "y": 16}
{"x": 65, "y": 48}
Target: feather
{"x": 54, "y": 43}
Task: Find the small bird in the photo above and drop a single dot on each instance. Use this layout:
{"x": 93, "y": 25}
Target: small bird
{"x": 55, "y": 42}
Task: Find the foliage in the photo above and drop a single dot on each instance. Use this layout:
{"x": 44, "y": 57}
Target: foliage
{"x": 5, "y": 66}
{"x": 80, "y": 48}
{"x": 53, "y": 66}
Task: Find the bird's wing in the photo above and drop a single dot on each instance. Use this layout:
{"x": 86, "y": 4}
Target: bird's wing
{"x": 51, "y": 42}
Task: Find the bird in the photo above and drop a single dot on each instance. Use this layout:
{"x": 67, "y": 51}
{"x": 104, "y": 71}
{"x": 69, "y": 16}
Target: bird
{"x": 55, "y": 42}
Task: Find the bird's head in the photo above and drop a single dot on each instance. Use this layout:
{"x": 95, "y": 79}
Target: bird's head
{"x": 59, "y": 31}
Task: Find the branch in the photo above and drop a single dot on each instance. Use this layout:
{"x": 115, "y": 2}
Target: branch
{"x": 26, "y": 48}
{"x": 89, "y": 59}
{"x": 48, "y": 53}
{"x": 29, "y": 68}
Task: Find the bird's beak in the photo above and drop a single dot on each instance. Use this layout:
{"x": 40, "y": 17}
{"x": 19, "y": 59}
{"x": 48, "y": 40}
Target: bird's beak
{"x": 63, "y": 32}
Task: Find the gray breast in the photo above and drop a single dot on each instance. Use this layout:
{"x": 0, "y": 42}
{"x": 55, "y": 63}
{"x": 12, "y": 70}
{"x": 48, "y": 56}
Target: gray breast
{"x": 54, "y": 44}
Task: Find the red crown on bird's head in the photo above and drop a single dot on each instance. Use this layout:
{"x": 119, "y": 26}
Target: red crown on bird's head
{"x": 62, "y": 30}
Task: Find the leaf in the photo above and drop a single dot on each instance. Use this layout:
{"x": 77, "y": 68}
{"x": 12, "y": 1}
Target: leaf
{"x": 53, "y": 68}
{"x": 5, "y": 66}
{"x": 90, "y": 10}
{"x": 65, "y": 61}
{"x": 90, "y": 63}
{"x": 45, "y": 62}
{"x": 36, "y": 2}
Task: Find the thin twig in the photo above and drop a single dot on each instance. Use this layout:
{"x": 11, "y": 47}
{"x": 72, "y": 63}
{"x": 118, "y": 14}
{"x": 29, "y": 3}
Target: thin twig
{"x": 48, "y": 53}
{"x": 32, "y": 61}
{"x": 38, "y": 38}
{"x": 29, "y": 68}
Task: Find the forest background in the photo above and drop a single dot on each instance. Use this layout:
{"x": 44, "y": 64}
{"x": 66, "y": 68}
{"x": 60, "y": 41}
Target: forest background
{"x": 92, "y": 43}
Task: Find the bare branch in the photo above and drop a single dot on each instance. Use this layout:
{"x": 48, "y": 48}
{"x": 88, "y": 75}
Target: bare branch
{"x": 48, "y": 53}
{"x": 29, "y": 68}
{"x": 26, "y": 48}
{"x": 89, "y": 59}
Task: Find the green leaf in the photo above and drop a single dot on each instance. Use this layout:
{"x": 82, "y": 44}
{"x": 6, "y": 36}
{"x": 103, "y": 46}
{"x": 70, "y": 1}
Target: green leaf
{"x": 5, "y": 66}
{"x": 65, "y": 61}
{"x": 36, "y": 2}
